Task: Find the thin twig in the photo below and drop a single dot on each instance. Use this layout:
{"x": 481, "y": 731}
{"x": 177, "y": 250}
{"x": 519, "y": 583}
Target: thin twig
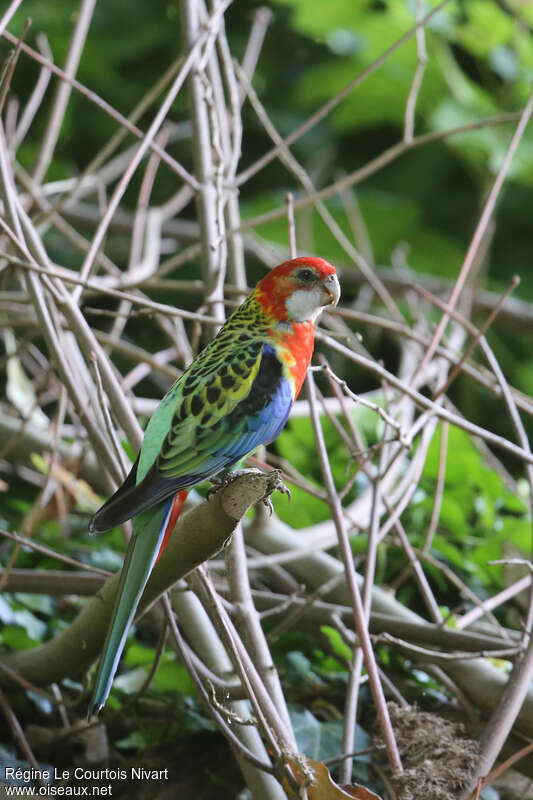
{"x": 36, "y": 98}
{"x": 435, "y": 655}
{"x": 47, "y": 551}
{"x": 19, "y": 735}
{"x": 499, "y": 725}
{"x": 376, "y": 164}
{"x": 481, "y": 228}
{"x": 226, "y": 730}
{"x": 59, "y": 107}
{"x": 328, "y": 107}
{"x": 410, "y": 106}
{"x": 103, "y": 105}
{"x": 424, "y": 402}
{"x": 261, "y": 21}
{"x": 8, "y": 14}
{"x": 358, "y": 610}
{"x": 505, "y": 765}
{"x": 439, "y": 489}
{"x": 204, "y": 40}
{"x": 9, "y": 67}
{"x": 291, "y": 225}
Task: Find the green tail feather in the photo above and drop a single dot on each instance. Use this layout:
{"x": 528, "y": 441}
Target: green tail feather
{"x": 148, "y": 531}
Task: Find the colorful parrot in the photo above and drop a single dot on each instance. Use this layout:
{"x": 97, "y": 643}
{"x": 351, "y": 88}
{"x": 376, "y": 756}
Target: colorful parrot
{"x": 235, "y": 396}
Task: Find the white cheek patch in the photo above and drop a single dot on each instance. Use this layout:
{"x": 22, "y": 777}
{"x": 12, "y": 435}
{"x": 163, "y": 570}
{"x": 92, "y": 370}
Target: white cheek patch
{"x": 305, "y": 304}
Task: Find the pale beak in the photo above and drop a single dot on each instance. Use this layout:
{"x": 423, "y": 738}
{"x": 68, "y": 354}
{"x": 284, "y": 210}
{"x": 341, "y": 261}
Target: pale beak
{"x": 332, "y": 287}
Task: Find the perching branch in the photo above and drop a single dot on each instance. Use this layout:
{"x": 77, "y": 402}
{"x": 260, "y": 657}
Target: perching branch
{"x": 200, "y": 533}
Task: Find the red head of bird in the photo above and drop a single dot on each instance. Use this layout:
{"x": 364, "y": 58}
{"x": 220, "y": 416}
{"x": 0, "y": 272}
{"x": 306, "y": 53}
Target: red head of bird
{"x": 297, "y": 290}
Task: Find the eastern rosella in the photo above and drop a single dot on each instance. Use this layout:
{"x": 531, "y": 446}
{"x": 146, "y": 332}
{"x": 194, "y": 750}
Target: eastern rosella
{"x": 235, "y": 396}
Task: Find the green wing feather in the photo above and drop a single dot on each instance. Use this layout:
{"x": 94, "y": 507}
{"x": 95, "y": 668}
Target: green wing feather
{"x": 203, "y": 398}
{"x": 202, "y": 415}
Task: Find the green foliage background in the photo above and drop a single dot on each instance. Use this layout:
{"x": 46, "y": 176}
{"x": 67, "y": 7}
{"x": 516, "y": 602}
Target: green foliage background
{"x": 422, "y": 208}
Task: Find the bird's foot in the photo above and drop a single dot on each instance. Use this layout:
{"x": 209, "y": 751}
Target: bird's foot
{"x": 225, "y": 478}
{"x": 274, "y": 483}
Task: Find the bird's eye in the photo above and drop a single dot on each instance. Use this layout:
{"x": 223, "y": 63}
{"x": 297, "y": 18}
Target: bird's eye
{"x": 306, "y": 275}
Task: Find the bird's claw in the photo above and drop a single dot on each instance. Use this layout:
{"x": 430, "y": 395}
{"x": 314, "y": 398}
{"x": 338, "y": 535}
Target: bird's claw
{"x": 221, "y": 481}
{"x": 274, "y": 484}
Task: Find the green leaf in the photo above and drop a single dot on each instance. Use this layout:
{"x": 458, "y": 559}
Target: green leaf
{"x": 302, "y": 510}
{"x": 172, "y": 676}
{"x": 518, "y": 531}
{"x": 138, "y": 654}
{"x": 7, "y": 614}
{"x": 299, "y": 670}
{"x": 490, "y": 550}
{"x": 138, "y": 740}
{"x": 36, "y": 602}
{"x": 337, "y": 643}
{"x": 131, "y": 681}
{"x": 485, "y": 27}
{"x": 449, "y": 551}
{"x": 322, "y": 740}
{"x": 452, "y": 514}
{"x": 16, "y": 638}
{"x": 34, "y": 627}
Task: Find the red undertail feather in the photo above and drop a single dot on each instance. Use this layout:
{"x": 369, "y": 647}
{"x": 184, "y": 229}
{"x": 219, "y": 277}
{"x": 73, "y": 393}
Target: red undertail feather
{"x": 175, "y": 513}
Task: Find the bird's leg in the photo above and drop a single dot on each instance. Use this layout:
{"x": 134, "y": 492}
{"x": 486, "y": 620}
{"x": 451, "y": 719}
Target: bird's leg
{"x": 227, "y": 476}
{"x": 274, "y": 483}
